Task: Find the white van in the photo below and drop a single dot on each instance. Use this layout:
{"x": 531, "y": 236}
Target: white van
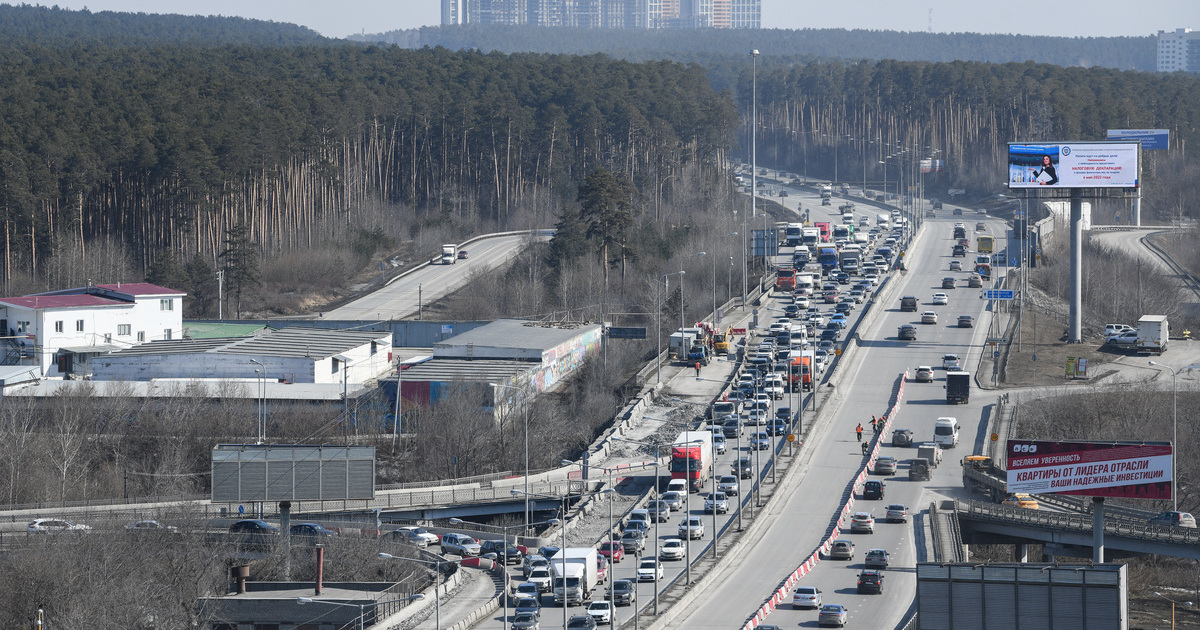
{"x": 945, "y": 432}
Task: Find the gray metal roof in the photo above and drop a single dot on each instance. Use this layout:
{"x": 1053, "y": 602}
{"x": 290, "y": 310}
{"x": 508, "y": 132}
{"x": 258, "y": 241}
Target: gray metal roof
{"x": 518, "y": 334}
{"x": 461, "y": 370}
{"x": 313, "y": 343}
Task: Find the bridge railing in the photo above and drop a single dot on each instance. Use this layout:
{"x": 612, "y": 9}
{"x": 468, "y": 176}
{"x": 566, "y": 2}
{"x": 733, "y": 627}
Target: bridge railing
{"x": 1079, "y": 522}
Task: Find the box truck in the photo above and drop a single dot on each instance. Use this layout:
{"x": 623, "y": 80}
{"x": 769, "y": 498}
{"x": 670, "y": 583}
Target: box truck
{"x": 958, "y": 387}
{"x": 1153, "y": 332}
{"x": 449, "y": 254}
{"x": 579, "y": 567}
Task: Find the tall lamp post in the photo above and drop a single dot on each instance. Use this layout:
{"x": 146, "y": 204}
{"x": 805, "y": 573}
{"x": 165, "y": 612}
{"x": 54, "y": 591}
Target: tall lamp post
{"x": 681, "y": 314}
{"x": 714, "y": 261}
{"x": 657, "y": 460}
{"x": 753, "y": 132}
{"x": 261, "y": 375}
{"x": 525, "y": 401}
{"x": 1174, "y": 428}
{"x": 658, "y": 318}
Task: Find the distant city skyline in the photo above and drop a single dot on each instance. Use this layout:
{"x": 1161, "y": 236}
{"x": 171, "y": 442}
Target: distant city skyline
{"x": 1099, "y": 18}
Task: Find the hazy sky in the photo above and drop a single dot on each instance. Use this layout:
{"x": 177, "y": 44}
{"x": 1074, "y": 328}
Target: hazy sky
{"x": 1058, "y": 17}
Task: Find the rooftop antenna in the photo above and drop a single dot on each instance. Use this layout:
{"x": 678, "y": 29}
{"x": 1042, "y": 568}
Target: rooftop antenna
{"x": 930, "y": 19}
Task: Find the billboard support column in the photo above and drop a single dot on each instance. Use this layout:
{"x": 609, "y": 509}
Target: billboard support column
{"x": 1137, "y": 208}
{"x": 1076, "y": 333}
{"x": 1098, "y": 529}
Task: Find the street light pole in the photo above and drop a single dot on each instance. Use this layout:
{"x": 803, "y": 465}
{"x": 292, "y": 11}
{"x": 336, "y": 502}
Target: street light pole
{"x": 753, "y": 132}
{"x": 658, "y": 318}
{"x": 1174, "y": 429}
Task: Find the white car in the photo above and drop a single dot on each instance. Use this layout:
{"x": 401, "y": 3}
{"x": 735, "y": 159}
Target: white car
{"x": 806, "y": 597}
{"x": 671, "y": 549}
{"x": 929, "y": 317}
{"x": 728, "y": 484}
{"x": 950, "y": 361}
{"x": 940, "y": 299}
{"x": 415, "y": 534}
{"x": 600, "y": 611}
{"x": 717, "y": 502}
{"x": 649, "y": 570}
{"x": 54, "y": 526}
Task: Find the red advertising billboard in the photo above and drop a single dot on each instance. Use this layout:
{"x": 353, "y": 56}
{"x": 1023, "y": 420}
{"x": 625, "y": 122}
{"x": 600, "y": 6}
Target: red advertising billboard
{"x": 1133, "y": 470}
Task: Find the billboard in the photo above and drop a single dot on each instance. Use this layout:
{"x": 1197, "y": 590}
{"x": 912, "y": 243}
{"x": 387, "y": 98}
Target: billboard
{"x": 1133, "y": 470}
{"x": 1073, "y": 165}
{"x": 1152, "y": 139}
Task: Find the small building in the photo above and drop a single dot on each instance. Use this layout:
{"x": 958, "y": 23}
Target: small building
{"x": 61, "y": 332}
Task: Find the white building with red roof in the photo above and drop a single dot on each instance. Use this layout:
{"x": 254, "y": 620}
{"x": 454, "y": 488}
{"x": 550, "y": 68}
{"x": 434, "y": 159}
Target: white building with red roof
{"x": 60, "y": 331}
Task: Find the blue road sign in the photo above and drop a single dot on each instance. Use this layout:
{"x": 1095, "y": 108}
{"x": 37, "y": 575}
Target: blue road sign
{"x": 998, "y": 294}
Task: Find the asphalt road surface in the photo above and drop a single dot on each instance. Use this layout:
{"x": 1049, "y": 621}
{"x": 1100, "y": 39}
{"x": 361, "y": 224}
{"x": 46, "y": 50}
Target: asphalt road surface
{"x": 404, "y": 296}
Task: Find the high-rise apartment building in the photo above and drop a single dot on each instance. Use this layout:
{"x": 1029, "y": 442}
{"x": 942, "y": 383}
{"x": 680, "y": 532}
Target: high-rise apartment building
{"x": 1179, "y": 50}
{"x": 646, "y": 14}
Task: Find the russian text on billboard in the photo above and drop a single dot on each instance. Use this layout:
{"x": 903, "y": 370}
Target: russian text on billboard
{"x": 1099, "y": 469}
{"x": 1073, "y": 165}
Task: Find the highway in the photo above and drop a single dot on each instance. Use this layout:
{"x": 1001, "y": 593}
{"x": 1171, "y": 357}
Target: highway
{"x": 404, "y": 295}
{"x": 798, "y": 518}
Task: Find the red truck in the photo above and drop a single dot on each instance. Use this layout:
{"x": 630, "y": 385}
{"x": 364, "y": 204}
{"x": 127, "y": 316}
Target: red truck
{"x": 785, "y": 280}
{"x": 692, "y": 458}
{"x": 826, "y": 230}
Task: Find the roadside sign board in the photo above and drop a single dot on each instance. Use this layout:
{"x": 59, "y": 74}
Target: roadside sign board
{"x": 1135, "y": 470}
{"x": 626, "y": 333}
{"x": 998, "y": 294}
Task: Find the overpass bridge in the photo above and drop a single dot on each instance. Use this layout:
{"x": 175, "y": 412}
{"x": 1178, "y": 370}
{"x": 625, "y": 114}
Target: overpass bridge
{"x": 990, "y": 523}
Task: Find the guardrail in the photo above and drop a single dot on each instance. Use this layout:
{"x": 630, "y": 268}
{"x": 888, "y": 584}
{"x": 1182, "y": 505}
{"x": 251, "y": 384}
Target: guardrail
{"x": 1078, "y": 522}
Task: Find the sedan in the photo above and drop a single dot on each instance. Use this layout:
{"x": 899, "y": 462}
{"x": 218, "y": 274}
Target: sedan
{"x": 966, "y": 321}
{"x": 728, "y": 484}
{"x": 840, "y": 320}
{"x": 929, "y": 317}
{"x": 777, "y": 426}
{"x": 924, "y": 374}
{"x": 760, "y": 441}
{"x": 885, "y": 466}
{"x": 862, "y": 522}
{"x": 528, "y": 606}
{"x": 716, "y": 502}
{"x": 151, "y": 526}
{"x": 691, "y": 528}
{"x": 876, "y": 559}
{"x": 601, "y": 611}
{"x": 659, "y": 511}
{"x": 418, "y": 536}
{"x": 613, "y": 550}
{"x": 649, "y": 570}
{"x": 674, "y": 498}
{"x": 832, "y": 615}
{"x": 940, "y": 299}
{"x": 806, "y": 597}
{"x": 311, "y": 530}
{"x": 526, "y": 621}
{"x": 857, "y": 295}
{"x": 896, "y": 513}
{"x": 947, "y": 283}
{"x": 843, "y": 307}
{"x": 671, "y": 549}
{"x": 956, "y": 265}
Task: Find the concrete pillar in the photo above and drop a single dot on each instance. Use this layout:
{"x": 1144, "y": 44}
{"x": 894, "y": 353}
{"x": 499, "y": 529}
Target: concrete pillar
{"x": 1076, "y": 227}
{"x": 1097, "y": 529}
{"x": 1021, "y": 553}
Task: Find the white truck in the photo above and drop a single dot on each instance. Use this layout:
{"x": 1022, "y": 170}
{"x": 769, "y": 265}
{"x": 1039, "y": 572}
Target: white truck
{"x": 681, "y": 344}
{"x": 826, "y": 191}
{"x": 449, "y": 254}
{"x": 1153, "y": 332}
{"x": 882, "y": 218}
{"x": 810, "y": 236}
{"x": 576, "y": 568}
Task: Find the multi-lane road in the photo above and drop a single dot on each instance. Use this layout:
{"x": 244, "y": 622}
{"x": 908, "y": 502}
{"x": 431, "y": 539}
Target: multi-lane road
{"x": 800, "y": 514}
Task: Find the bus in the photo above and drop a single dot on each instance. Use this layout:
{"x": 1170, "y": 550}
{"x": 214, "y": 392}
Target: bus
{"x": 986, "y": 244}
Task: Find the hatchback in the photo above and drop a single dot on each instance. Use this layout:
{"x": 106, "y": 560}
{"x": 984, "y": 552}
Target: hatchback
{"x": 760, "y": 441}
{"x": 649, "y": 570}
{"x": 601, "y": 611}
{"x": 613, "y": 550}
{"x": 950, "y": 361}
{"x": 956, "y": 265}
{"x": 691, "y": 528}
{"x": 716, "y": 502}
{"x": 728, "y": 484}
{"x": 841, "y": 550}
{"x": 1176, "y": 519}
{"x": 806, "y": 597}
{"x": 924, "y": 374}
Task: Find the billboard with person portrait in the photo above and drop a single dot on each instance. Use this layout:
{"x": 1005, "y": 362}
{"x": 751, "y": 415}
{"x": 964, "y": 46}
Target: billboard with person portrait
{"x": 1073, "y": 165}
